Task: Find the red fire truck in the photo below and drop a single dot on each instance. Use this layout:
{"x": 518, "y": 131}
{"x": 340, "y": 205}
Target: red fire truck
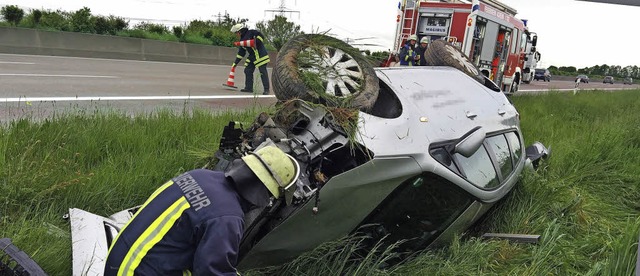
{"x": 487, "y": 31}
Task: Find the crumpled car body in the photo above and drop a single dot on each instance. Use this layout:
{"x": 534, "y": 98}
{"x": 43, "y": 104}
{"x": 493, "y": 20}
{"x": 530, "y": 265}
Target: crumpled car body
{"x": 435, "y": 152}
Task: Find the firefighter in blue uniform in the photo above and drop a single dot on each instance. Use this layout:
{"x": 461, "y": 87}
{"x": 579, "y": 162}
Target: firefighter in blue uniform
{"x": 258, "y": 57}
{"x": 408, "y": 56}
{"x": 193, "y": 224}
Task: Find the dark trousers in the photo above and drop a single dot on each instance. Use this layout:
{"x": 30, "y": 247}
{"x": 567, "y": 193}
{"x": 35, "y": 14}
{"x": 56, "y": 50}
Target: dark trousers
{"x": 248, "y": 73}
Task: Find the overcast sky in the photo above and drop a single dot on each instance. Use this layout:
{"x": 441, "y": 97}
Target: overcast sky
{"x": 571, "y": 33}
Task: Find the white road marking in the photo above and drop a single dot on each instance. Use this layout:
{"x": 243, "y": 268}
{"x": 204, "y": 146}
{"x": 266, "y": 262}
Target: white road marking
{"x": 119, "y": 60}
{"x": 16, "y": 62}
{"x": 58, "y": 76}
{"x": 579, "y": 89}
{"x": 130, "y": 98}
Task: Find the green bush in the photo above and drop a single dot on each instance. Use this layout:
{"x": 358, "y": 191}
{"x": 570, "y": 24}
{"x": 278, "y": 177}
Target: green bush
{"x": 152, "y": 27}
{"x": 119, "y": 23}
{"x": 138, "y": 33}
{"x": 222, "y": 37}
{"x": 37, "y": 15}
{"x": 103, "y": 26}
{"x": 199, "y": 26}
{"x": 109, "y": 25}
{"x": 12, "y": 14}
{"x": 196, "y": 39}
{"x": 177, "y": 31}
{"x": 55, "y": 20}
{"x": 82, "y": 21}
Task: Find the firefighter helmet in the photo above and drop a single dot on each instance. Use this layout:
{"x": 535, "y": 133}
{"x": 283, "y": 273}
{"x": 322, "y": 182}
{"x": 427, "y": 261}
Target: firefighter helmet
{"x": 237, "y": 27}
{"x": 413, "y": 37}
{"x": 424, "y": 40}
{"x": 276, "y": 169}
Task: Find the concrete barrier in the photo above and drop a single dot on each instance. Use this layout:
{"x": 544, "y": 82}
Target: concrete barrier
{"x": 54, "y": 43}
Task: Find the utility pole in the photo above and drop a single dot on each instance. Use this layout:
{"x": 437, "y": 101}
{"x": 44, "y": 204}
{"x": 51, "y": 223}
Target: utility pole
{"x": 220, "y": 16}
{"x": 282, "y": 9}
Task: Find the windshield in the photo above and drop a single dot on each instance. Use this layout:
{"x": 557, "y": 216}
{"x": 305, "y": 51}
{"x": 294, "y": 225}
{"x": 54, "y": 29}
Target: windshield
{"x": 540, "y": 71}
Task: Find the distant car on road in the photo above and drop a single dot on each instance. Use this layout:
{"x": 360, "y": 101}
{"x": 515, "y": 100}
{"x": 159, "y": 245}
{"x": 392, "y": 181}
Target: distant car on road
{"x": 628, "y": 80}
{"x": 583, "y": 78}
{"x": 542, "y": 74}
{"x": 608, "y": 79}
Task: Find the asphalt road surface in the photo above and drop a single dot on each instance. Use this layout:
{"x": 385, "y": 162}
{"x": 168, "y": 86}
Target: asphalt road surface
{"x": 564, "y": 85}
{"x": 40, "y": 86}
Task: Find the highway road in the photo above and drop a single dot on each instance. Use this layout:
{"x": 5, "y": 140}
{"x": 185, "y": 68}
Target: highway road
{"x": 39, "y": 86}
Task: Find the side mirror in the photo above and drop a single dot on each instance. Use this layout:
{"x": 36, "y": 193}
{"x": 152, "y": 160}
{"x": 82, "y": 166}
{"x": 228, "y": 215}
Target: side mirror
{"x": 469, "y": 143}
{"x": 534, "y": 41}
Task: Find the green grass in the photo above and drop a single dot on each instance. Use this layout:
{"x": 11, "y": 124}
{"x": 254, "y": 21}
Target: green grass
{"x": 584, "y": 201}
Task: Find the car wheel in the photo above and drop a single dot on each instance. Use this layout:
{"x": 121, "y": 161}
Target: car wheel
{"x": 441, "y": 53}
{"x": 324, "y": 70}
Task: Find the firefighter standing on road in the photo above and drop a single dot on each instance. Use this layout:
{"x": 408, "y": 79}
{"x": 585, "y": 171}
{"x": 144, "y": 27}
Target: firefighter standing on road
{"x": 193, "y": 224}
{"x": 251, "y": 41}
{"x": 421, "y": 49}
{"x": 407, "y": 54}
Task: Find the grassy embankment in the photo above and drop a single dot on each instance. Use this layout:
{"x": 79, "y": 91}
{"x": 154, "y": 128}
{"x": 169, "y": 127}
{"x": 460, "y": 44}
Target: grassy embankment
{"x": 584, "y": 201}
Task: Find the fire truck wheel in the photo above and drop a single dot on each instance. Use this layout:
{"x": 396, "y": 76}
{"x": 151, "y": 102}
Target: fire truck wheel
{"x": 324, "y": 70}
{"x": 441, "y": 53}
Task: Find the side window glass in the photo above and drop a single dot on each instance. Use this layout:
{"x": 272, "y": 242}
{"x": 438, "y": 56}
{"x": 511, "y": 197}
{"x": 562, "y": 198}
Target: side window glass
{"x": 444, "y": 158}
{"x": 502, "y": 154}
{"x": 417, "y": 211}
{"x": 514, "y": 143}
{"x": 478, "y": 169}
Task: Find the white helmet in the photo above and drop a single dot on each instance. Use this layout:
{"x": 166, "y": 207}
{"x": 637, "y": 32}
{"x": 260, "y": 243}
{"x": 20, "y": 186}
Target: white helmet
{"x": 413, "y": 37}
{"x": 237, "y": 27}
{"x": 424, "y": 40}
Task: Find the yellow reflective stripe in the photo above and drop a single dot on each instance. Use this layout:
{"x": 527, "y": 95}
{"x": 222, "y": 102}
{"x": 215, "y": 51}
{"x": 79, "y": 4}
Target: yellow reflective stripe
{"x": 152, "y": 235}
{"x": 259, "y": 37}
{"x": 239, "y": 56}
{"x": 186, "y": 273}
{"x": 155, "y": 193}
{"x": 262, "y": 58}
{"x": 262, "y": 63}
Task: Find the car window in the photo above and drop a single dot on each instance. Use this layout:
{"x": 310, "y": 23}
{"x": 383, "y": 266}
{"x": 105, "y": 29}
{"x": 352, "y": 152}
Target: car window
{"x": 539, "y": 70}
{"x": 503, "y": 149}
{"x": 417, "y": 211}
{"x": 444, "y": 158}
{"x": 514, "y": 145}
{"x": 478, "y": 169}
{"x": 500, "y": 148}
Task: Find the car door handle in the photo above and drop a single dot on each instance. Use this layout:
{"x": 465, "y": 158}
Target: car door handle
{"x": 501, "y": 112}
{"x": 471, "y": 115}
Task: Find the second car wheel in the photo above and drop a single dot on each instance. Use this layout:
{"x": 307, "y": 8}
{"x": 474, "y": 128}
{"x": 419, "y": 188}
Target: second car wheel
{"x": 441, "y": 53}
{"x": 324, "y": 70}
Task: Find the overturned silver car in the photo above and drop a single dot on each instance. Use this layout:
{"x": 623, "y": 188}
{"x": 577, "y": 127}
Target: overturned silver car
{"x": 420, "y": 159}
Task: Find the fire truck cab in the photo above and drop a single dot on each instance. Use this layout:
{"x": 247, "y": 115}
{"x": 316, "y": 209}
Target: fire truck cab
{"x": 531, "y": 56}
{"x": 486, "y": 31}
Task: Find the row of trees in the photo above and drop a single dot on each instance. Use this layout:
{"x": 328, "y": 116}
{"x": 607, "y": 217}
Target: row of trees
{"x": 599, "y": 70}
{"x": 277, "y": 31}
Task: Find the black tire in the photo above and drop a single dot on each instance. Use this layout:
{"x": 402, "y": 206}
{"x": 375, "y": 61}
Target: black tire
{"x": 324, "y": 70}
{"x": 441, "y": 53}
